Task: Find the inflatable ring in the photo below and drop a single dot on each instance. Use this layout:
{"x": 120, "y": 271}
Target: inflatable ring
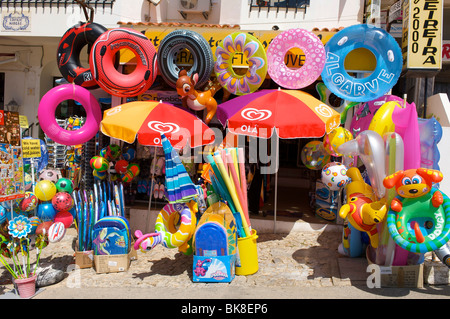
{"x": 314, "y": 52}
{"x": 47, "y": 120}
{"x": 69, "y": 49}
{"x": 255, "y": 54}
{"x": 169, "y": 49}
{"x": 380, "y": 81}
{"x": 171, "y": 238}
{"x": 102, "y": 60}
{"x": 146, "y": 242}
{"x": 418, "y": 214}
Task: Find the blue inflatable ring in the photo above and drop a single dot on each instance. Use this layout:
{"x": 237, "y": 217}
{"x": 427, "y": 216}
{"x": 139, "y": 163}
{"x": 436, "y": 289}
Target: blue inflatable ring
{"x": 383, "y": 78}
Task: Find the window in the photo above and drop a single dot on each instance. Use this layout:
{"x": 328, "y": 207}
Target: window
{"x": 279, "y": 4}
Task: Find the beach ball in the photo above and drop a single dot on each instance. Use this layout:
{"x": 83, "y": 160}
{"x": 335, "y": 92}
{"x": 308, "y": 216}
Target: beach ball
{"x": 113, "y": 151}
{"x": 62, "y": 201}
{"x": 34, "y": 221}
{"x": 2, "y": 214}
{"x": 99, "y": 163}
{"x": 121, "y": 166}
{"x": 314, "y": 156}
{"x": 43, "y": 227}
{"x": 134, "y": 169}
{"x": 127, "y": 177}
{"x": 99, "y": 175}
{"x": 64, "y": 217}
{"x": 128, "y": 153}
{"x": 334, "y": 175}
{"x": 56, "y": 232}
{"x": 336, "y": 138}
{"x": 46, "y": 211}
{"x": 45, "y": 190}
{"x": 48, "y": 175}
{"x": 29, "y": 202}
{"x": 64, "y": 185}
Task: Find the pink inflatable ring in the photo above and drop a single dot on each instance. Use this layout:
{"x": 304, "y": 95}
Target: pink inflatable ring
{"x": 315, "y": 58}
{"x": 47, "y": 120}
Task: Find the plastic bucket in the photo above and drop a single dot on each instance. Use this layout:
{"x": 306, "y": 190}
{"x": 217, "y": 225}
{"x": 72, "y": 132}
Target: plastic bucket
{"x": 26, "y": 287}
{"x": 247, "y": 261}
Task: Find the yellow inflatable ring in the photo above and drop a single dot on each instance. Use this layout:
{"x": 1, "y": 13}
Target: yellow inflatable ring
{"x": 165, "y": 224}
{"x": 255, "y": 54}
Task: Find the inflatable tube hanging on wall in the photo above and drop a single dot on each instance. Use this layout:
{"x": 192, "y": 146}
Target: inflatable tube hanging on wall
{"x": 102, "y": 60}
{"x": 314, "y": 52}
{"x": 69, "y": 49}
{"x": 380, "y": 81}
{"x": 200, "y": 50}
{"x": 47, "y": 120}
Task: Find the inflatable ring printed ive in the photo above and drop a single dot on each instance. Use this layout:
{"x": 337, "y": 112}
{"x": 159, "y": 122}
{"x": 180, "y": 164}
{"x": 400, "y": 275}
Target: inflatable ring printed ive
{"x": 314, "y": 51}
{"x": 171, "y": 238}
{"x": 255, "y": 54}
{"x": 69, "y": 49}
{"x": 420, "y": 217}
{"x": 380, "y": 81}
{"x": 102, "y": 60}
{"x": 47, "y": 120}
{"x": 199, "y": 49}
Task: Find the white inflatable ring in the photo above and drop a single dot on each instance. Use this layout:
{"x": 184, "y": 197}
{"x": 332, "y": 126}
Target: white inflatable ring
{"x": 314, "y": 51}
{"x": 383, "y": 78}
{"x": 253, "y": 50}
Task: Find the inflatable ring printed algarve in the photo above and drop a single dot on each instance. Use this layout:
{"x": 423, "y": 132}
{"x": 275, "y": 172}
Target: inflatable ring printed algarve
{"x": 69, "y": 49}
{"x": 255, "y": 54}
{"x": 199, "y": 49}
{"x": 102, "y": 60}
{"x": 314, "y": 52}
{"x": 47, "y": 120}
{"x": 420, "y": 227}
{"x": 380, "y": 81}
{"x": 171, "y": 238}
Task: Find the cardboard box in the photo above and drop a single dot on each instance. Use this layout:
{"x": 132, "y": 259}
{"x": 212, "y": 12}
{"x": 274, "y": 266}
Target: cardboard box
{"x": 402, "y": 276}
{"x": 84, "y": 259}
{"x": 214, "y": 269}
{"x": 114, "y": 263}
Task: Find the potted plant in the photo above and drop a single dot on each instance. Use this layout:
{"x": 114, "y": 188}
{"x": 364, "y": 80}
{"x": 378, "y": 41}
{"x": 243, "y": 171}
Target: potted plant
{"x": 17, "y": 248}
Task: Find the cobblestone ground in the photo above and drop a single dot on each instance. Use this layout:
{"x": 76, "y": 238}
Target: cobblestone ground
{"x": 294, "y": 259}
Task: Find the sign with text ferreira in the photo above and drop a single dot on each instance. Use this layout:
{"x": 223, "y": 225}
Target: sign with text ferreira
{"x": 422, "y": 35}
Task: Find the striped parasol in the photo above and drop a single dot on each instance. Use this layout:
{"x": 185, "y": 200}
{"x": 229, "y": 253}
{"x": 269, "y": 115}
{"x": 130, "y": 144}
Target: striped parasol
{"x": 179, "y": 187}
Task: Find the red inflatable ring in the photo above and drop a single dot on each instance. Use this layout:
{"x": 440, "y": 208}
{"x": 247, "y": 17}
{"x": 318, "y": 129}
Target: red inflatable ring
{"x": 47, "y": 120}
{"x": 102, "y": 58}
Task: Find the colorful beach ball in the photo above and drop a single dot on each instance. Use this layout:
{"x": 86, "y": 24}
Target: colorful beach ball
{"x": 29, "y": 202}
{"x": 45, "y": 190}
{"x": 314, "y": 156}
{"x": 99, "y": 163}
{"x": 99, "y": 175}
{"x": 2, "y": 214}
{"x": 334, "y": 175}
{"x": 128, "y": 153}
{"x": 113, "y": 151}
{"x": 62, "y": 201}
{"x": 46, "y": 212}
{"x": 121, "y": 166}
{"x": 34, "y": 221}
{"x": 64, "y": 217}
{"x": 336, "y": 138}
{"x": 134, "y": 169}
{"x": 64, "y": 185}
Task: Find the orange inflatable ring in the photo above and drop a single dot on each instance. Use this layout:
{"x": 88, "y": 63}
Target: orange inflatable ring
{"x": 102, "y": 58}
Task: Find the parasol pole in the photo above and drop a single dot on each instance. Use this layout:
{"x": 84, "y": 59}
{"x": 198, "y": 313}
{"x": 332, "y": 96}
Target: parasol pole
{"x": 151, "y": 188}
{"x": 276, "y": 188}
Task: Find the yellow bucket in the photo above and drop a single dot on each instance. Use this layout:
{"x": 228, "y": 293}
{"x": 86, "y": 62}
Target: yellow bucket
{"x": 247, "y": 262}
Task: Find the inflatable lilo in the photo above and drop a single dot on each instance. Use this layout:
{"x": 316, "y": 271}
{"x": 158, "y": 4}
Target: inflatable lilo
{"x": 69, "y": 49}
{"x": 388, "y": 69}
{"x": 419, "y": 216}
{"x": 362, "y": 209}
{"x": 102, "y": 62}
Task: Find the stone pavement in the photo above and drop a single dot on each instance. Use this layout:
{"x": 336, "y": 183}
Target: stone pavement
{"x": 298, "y": 259}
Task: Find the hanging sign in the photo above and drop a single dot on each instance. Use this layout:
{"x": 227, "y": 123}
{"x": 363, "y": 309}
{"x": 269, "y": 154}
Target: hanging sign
{"x": 422, "y": 36}
{"x": 31, "y": 148}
